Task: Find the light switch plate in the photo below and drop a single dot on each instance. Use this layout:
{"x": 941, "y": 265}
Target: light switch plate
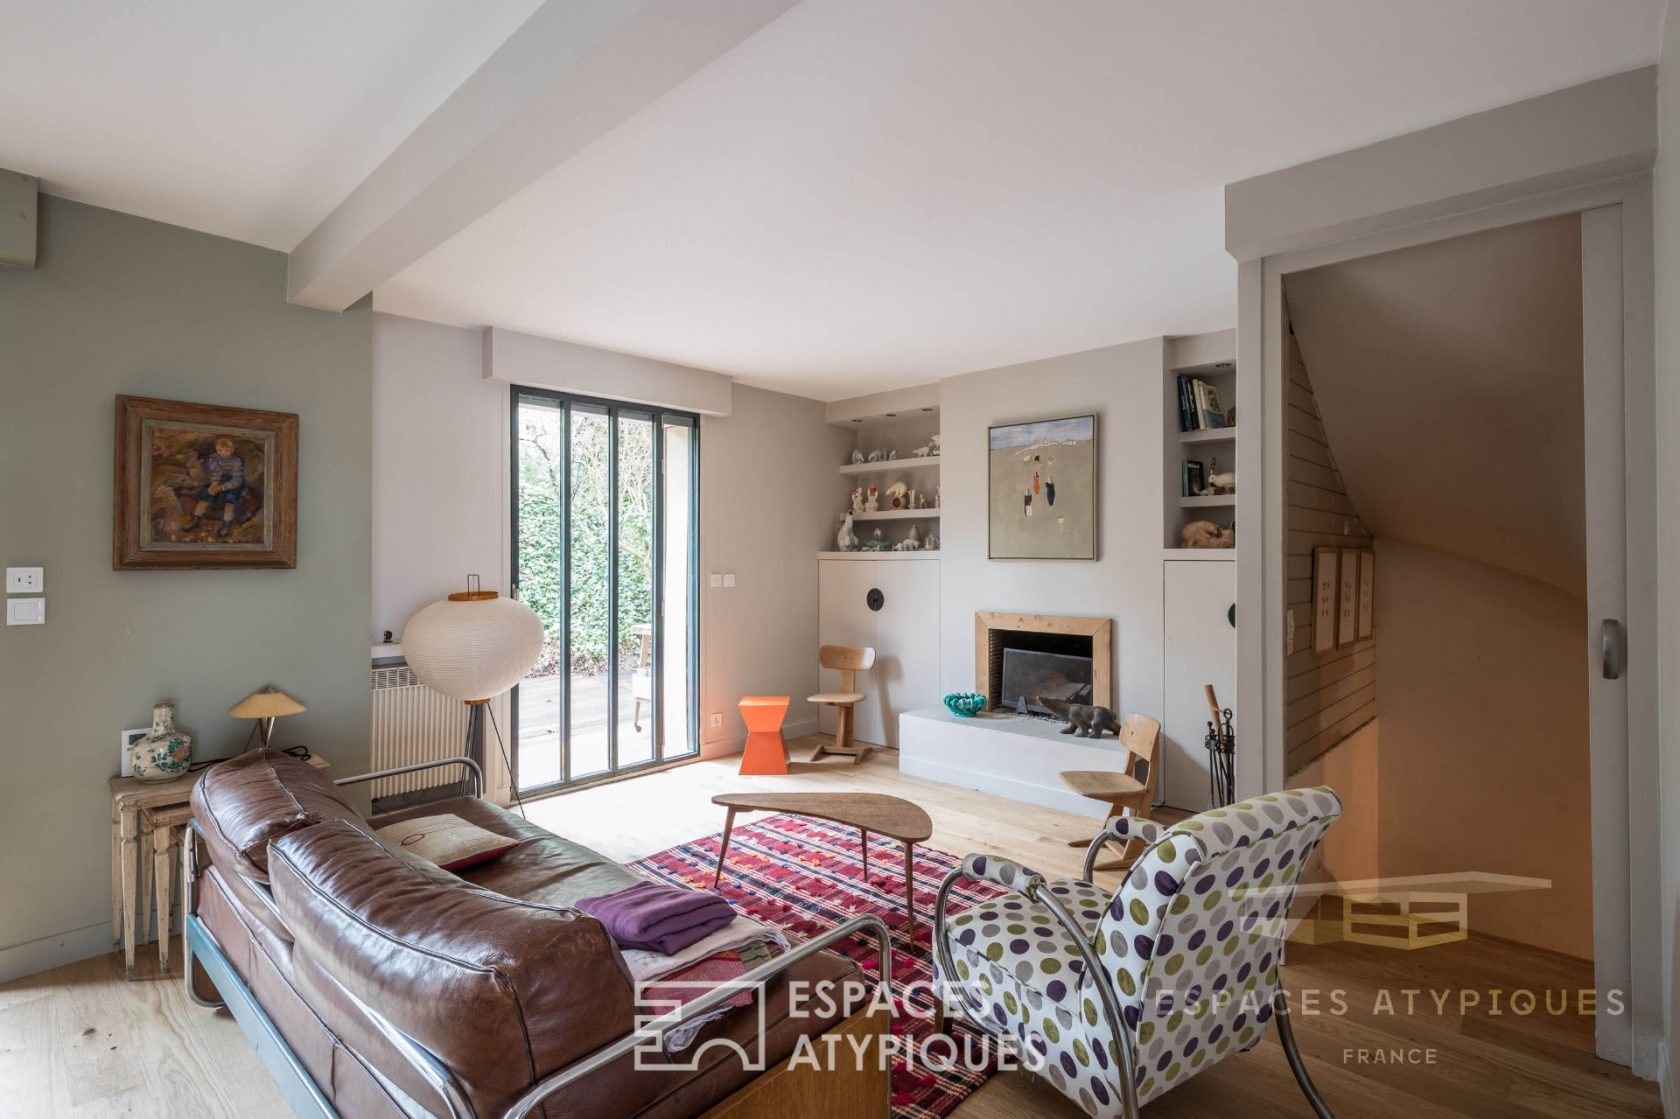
{"x": 716, "y": 579}
{"x": 26, "y": 611}
{"x": 25, "y": 580}
{"x": 729, "y": 578}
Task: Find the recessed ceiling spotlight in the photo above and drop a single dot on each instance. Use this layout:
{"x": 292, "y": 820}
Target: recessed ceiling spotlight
{"x": 927, "y": 409}
{"x": 1222, "y": 365}
{"x": 892, "y": 415}
{"x": 857, "y": 421}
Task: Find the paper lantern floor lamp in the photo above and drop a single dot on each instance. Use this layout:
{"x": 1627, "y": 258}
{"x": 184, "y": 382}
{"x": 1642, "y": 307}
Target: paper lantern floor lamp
{"x": 473, "y": 646}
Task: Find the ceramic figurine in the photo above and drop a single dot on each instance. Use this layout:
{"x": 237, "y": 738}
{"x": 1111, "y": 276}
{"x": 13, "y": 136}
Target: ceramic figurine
{"x": 915, "y": 537}
{"x": 931, "y": 544}
{"x": 873, "y": 503}
{"x": 1206, "y": 534}
{"x": 896, "y": 496}
{"x": 163, "y": 754}
{"x": 922, "y": 452}
{"x": 892, "y": 456}
{"x": 1221, "y": 483}
{"x": 857, "y": 457}
{"x": 913, "y": 500}
{"x": 857, "y": 500}
{"x": 1087, "y": 722}
{"x": 938, "y": 494}
{"x": 933, "y": 444}
{"x": 877, "y": 456}
{"x": 846, "y": 540}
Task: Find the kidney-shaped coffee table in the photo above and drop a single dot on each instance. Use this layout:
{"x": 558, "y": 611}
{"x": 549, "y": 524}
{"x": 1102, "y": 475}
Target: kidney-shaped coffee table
{"x": 892, "y": 817}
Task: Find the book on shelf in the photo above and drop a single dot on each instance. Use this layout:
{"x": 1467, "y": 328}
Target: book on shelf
{"x": 1199, "y": 406}
{"x": 1209, "y": 412}
{"x": 1192, "y": 476}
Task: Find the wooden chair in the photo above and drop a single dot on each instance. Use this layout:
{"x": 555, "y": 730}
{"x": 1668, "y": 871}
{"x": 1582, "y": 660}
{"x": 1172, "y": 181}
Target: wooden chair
{"x": 1130, "y": 787}
{"x": 641, "y": 680}
{"x": 848, "y": 660}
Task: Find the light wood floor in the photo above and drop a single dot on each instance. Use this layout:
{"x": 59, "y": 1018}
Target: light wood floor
{"x": 78, "y": 1041}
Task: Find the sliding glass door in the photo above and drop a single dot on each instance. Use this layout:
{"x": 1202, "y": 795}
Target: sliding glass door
{"x": 605, "y": 500}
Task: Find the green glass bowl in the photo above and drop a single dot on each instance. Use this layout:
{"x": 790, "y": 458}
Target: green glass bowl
{"x": 965, "y": 704}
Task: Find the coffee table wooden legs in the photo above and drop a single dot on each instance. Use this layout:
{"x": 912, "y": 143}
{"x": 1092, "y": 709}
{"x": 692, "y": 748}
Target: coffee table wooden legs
{"x": 723, "y": 848}
{"x": 910, "y": 887}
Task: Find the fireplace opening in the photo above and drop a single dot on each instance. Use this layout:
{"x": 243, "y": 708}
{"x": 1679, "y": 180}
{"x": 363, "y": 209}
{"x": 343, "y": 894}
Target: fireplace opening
{"x": 1051, "y": 665}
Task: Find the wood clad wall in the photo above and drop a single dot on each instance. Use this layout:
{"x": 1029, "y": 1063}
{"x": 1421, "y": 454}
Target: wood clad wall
{"x": 1329, "y": 695}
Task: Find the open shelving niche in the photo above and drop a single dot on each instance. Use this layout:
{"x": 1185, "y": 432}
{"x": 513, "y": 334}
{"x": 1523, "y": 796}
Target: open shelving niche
{"x": 902, "y": 431}
{"x": 1205, "y": 445}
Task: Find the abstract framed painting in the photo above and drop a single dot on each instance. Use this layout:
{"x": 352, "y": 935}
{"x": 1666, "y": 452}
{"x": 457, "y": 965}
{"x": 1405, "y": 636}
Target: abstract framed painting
{"x": 202, "y": 487}
{"x": 1042, "y": 489}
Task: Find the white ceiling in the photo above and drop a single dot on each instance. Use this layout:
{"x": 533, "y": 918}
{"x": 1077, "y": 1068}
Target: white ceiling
{"x": 870, "y": 193}
{"x": 1448, "y": 377}
{"x": 246, "y": 118}
{"x": 866, "y": 193}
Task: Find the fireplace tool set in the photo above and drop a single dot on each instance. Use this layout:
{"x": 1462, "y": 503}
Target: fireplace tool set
{"x": 1221, "y": 746}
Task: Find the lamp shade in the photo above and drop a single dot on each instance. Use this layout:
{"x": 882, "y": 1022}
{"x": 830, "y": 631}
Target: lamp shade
{"x": 473, "y": 647}
{"x": 266, "y": 705}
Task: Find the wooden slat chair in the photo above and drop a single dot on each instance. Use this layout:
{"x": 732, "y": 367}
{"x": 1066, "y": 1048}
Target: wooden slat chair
{"x": 848, "y": 660}
{"x": 1134, "y": 993}
{"x": 1131, "y": 788}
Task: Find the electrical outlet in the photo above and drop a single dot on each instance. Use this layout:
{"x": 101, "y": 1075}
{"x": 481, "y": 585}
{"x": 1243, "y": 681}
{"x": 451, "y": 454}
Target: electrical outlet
{"x": 729, "y": 578}
{"x": 717, "y": 719}
{"x": 25, "y": 580}
{"x": 716, "y": 579}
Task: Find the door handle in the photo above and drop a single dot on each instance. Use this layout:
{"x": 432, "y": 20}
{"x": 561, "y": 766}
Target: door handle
{"x": 1610, "y": 641}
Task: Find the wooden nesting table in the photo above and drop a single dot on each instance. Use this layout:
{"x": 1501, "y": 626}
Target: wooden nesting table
{"x": 148, "y": 819}
{"x": 892, "y": 817}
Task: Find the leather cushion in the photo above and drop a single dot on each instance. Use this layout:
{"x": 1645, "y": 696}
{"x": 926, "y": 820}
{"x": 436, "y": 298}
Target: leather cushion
{"x": 543, "y": 867}
{"x": 502, "y": 991}
{"x": 249, "y": 801}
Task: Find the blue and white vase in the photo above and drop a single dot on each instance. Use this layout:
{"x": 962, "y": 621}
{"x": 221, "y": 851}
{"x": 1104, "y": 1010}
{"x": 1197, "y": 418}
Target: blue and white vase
{"x": 163, "y": 754}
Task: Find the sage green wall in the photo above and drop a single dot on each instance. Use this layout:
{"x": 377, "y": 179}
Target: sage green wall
{"x": 118, "y": 304}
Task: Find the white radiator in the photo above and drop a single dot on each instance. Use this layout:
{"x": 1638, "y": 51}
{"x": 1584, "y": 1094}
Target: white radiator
{"x": 412, "y": 723}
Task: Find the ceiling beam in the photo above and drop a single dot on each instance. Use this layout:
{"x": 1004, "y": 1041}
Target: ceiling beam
{"x": 575, "y": 70}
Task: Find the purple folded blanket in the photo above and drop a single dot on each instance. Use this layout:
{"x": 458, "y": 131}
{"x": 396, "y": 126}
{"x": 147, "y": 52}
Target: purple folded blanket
{"x": 663, "y": 919}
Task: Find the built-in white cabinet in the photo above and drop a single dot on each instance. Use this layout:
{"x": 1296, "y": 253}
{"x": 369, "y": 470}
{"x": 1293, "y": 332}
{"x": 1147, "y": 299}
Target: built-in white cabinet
{"x": 1200, "y": 649}
{"x": 904, "y": 632}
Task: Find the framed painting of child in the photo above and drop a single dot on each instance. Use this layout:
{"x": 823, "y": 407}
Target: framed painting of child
{"x": 200, "y": 486}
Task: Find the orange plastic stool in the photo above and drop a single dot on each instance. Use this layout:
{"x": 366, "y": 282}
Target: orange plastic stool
{"x": 766, "y": 752}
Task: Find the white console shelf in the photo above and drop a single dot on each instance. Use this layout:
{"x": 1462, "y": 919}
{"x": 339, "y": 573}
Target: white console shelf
{"x": 891, "y": 466}
{"x": 1010, "y": 755}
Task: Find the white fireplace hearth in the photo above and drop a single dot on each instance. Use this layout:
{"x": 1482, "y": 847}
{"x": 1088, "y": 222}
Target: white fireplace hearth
{"x": 1010, "y": 755}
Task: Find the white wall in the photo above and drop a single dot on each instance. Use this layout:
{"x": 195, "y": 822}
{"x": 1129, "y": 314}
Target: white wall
{"x": 767, "y": 502}
{"x": 1667, "y": 198}
{"x": 767, "y": 505}
{"x": 1484, "y": 765}
{"x": 440, "y": 433}
{"x": 1124, "y": 386}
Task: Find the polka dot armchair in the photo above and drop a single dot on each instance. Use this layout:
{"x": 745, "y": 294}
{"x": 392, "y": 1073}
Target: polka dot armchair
{"x": 1115, "y": 1000}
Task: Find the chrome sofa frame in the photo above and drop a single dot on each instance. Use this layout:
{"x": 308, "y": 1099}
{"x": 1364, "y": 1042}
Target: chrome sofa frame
{"x": 305, "y": 1097}
{"x": 1035, "y": 890}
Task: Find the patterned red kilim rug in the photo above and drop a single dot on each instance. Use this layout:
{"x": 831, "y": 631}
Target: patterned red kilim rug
{"x": 804, "y": 876}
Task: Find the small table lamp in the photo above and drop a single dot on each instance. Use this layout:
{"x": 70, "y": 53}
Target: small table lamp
{"x": 266, "y": 707}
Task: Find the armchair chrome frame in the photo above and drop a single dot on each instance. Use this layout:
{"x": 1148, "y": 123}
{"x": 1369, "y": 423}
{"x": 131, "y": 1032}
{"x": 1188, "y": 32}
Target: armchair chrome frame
{"x": 1125, "y": 1051}
{"x": 306, "y": 1098}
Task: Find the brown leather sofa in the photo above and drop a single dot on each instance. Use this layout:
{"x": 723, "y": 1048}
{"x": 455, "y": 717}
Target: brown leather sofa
{"x": 376, "y": 985}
